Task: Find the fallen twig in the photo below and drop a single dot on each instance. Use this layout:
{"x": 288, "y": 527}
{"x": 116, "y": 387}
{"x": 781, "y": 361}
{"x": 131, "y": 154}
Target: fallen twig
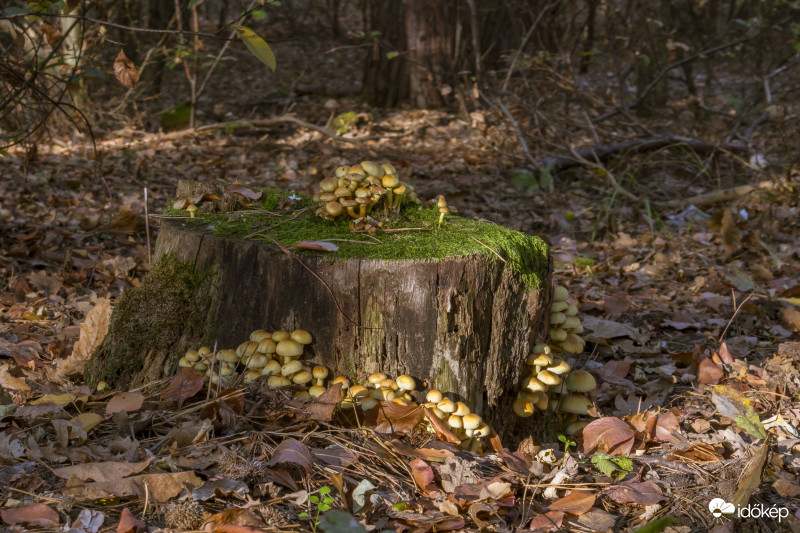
{"x": 723, "y": 195}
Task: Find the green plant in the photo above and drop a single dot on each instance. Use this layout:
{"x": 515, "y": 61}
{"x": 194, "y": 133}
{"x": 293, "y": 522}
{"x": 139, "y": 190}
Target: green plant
{"x": 567, "y": 443}
{"x": 323, "y": 505}
{"x": 614, "y": 466}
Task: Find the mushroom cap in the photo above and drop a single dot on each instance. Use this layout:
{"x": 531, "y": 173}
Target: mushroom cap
{"x": 557, "y": 318}
{"x": 376, "y": 378}
{"x": 257, "y": 361}
{"x": 320, "y": 372}
{"x": 406, "y": 382}
{"x": 373, "y": 169}
{"x": 461, "y": 409}
{"x": 548, "y": 378}
{"x": 267, "y": 346}
{"x": 302, "y": 377}
{"x": 447, "y": 405}
{"x": 227, "y": 355}
{"x": 192, "y": 356}
{"x": 434, "y": 396}
{"x": 357, "y": 169}
{"x": 279, "y": 335}
{"x": 343, "y": 192}
{"x": 541, "y": 359}
{"x": 183, "y": 362}
{"x": 334, "y": 209}
{"x": 570, "y": 322}
{"x": 471, "y": 421}
{"x": 440, "y": 201}
{"x": 400, "y": 189}
{"x": 389, "y": 169}
{"x": 289, "y": 348}
{"x": 358, "y": 391}
{"x": 444, "y": 210}
{"x": 559, "y": 366}
{"x": 272, "y": 367}
{"x": 455, "y": 421}
{"x": 390, "y": 181}
{"x": 438, "y": 413}
{"x": 542, "y": 402}
{"x": 389, "y": 383}
{"x": 581, "y": 381}
{"x": 572, "y": 310}
{"x": 278, "y": 382}
{"x": 572, "y": 344}
{"x": 315, "y": 391}
{"x": 292, "y": 367}
{"x": 558, "y": 307}
{"x": 542, "y": 348}
{"x": 523, "y": 407}
{"x": 251, "y": 375}
{"x": 348, "y": 203}
{"x": 301, "y": 395}
{"x": 328, "y": 184}
{"x": 246, "y": 349}
{"x": 301, "y": 336}
{"x": 191, "y": 208}
{"x": 202, "y": 366}
{"x": 483, "y": 431}
{"x": 363, "y": 192}
{"x": 341, "y": 171}
{"x": 560, "y": 294}
{"x": 575, "y": 403}
{"x": 340, "y": 379}
{"x": 326, "y": 197}
{"x": 259, "y": 335}
{"x": 558, "y": 335}
{"x": 400, "y": 401}
{"x": 384, "y": 394}
{"x": 368, "y": 403}
{"x": 204, "y": 351}
{"x": 532, "y": 383}
{"x": 575, "y": 427}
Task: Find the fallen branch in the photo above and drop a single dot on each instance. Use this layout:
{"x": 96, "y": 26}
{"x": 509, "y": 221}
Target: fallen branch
{"x": 632, "y": 146}
{"x": 723, "y": 195}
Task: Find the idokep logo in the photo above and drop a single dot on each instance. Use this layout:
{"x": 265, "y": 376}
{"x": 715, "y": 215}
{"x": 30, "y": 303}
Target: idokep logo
{"x": 720, "y": 507}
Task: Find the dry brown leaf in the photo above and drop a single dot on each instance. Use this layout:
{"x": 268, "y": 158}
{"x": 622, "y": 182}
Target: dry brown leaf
{"x": 790, "y": 319}
{"x": 247, "y": 192}
{"x": 576, "y": 502}
{"x": 9, "y": 382}
{"x": 87, "y": 421}
{"x": 160, "y": 487}
{"x": 389, "y": 417}
{"x": 36, "y": 514}
{"x": 752, "y": 474}
{"x": 697, "y": 453}
{"x": 125, "y": 401}
{"x": 129, "y": 523}
{"x": 231, "y": 519}
{"x": 441, "y": 430}
{"x": 708, "y": 372}
{"x": 610, "y": 435}
{"x": 52, "y": 34}
{"x": 294, "y": 452}
{"x": 183, "y": 385}
{"x": 617, "y": 304}
{"x": 725, "y": 354}
{"x": 549, "y": 521}
{"x": 93, "y": 331}
{"x": 644, "y": 494}
{"x": 125, "y": 71}
{"x": 731, "y": 239}
{"x": 105, "y": 471}
{"x": 423, "y": 475}
{"x": 321, "y": 246}
{"x": 324, "y": 405}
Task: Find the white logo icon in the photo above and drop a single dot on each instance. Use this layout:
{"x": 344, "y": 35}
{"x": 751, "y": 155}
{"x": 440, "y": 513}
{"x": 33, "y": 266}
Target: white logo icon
{"x": 719, "y": 507}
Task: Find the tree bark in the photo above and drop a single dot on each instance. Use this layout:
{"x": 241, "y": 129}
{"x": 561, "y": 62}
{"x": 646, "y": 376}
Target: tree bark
{"x": 463, "y": 325}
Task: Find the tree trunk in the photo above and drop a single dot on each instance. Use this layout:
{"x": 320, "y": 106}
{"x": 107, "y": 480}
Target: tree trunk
{"x": 462, "y": 325}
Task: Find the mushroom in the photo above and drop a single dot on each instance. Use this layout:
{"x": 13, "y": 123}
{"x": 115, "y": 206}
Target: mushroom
{"x": 340, "y": 379}
{"x": 191, "y": 208}
{"x": 271, "y": 368}
{"x": 301, "y": 336}
{"x": 357, "y": 169}
{"x": 291, "y": 367}
{"x": 227, "y": 356}
{"x": 303, "y": 377}
{"x": 559, "y": 367}
{"x": 399, "y": 193}
{"x": 523, "y": 407}
{"x": 358, "y": 391}
{"x": 279, "y": 335}
{"x": 384, "y": 394}
{"x": 259, "y": 335}
{"x": 581, "y": 381}
{"x": 288, "y": 349}
{"x": 329, "y": 184}
{"x": 548, "y": 378}
{"x": 461, "y": 409}
{"x": 558, "y": 335}
{"x": 559, "y": 307}
{"x": 575, "y": 403}
{"x": 560, "y": 294}
{"x": 333, "y": 209}
{"x": 319, "y": 373}
{"x": 434, "y": 396}
{"x": 192, "y": 356}
{"x": 368, "y": 403}
{"x": 539, "y": 361}
{"x": 204, "y": 351}
{"x": 373, "y": 169}
{"x": 556, "y": 319}
{"x": 257, "y": 361}
{"x": 533, "y": 384}
{"x": 456, "y": 425}
{"x": 389, "y": 169}
{"x": 389, "y": 383}
{"x": 315, "y": 391}
{"x": 301, "y": 395}
{"x": 570, "y": 323}
{"x": 267, "y": 346}
{"x": 471, "y": 422}
{"x": 406, "y": 382}
{"x": 389, "y": 182}
{"x": 572, "y": 344}
{"x": 246, "y": 350}
{"x": 251, "y": 375}
{"x": 574, "y": 427}
{"x": 375, "y": 379}
{"x": 446, "y": 405}
{"x": 278, "y": 382}
{"x": 185, "y": 363}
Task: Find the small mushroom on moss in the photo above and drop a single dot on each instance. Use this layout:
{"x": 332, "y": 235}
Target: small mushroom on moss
{"x": 575, "y": 403}
{"x": 192, "y": 209}
{"x": 334, "y": 209}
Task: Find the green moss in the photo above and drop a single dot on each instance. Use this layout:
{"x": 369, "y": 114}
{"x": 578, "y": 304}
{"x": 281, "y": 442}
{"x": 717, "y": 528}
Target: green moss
{"x": 157, "y": 318}
{"x": 527, "y": 256}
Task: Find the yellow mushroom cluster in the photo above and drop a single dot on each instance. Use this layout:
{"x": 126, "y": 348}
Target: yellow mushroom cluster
{"x": 552, "y": 384}
{"x": 273, "y": 354}
{"x": 356, "y": 190}
{"x": 565, "y": 326}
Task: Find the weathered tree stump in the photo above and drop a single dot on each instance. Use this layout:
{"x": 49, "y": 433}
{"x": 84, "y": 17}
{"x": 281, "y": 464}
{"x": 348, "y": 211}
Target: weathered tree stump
{"x": 463, "y": 324}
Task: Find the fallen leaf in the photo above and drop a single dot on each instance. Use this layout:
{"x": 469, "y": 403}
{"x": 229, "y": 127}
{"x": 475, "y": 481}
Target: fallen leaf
{"x": 725, "y": 354}
{"x": 236, "y": 517}
{"x": 183, "y": 385}
{"x": 87, "y": 421}
{"x": 125, "y": 401}
{"x": 576, "y": 502}
{"x": 52, "y": 34}
{"x": 9, "y": 382}
{"x": 610, "y": 435}
{"x": 129, "y": 523}
{"x": 93, "y": 331}
{"x": 442, "y": 431}
{"x": 324, "y": 405}
{"x": 389, "y": 417}
{"x": 104, "y": 471}
{"x": 159, "y": 487}
{"x": 423, "y": 475}
{"x": 599, "y": 330}
{"x": 708, "y": 372}
{"x": 294, "y": 452}
{"x": 617, "y": 304}
{"x": 322, "y": 246}
{"x": 36, "y": 514}
{"x": 54, "y": 399}
{"x": 732, "y": 404}
{"x": 125, "y": 71}
{"x": 698, "y": 453}
{"x": 750, "y": 477}
{"x": 549, "y": 521}
{"x": 247, "y": 192}
{"x": 644, "y": 494}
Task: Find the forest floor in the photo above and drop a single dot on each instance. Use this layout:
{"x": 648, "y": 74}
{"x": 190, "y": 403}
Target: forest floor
{"x": 679, "y": 292}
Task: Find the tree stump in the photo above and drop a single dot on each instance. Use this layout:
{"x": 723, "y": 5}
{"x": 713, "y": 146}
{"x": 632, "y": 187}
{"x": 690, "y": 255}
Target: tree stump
{"x": 463, "y": 324}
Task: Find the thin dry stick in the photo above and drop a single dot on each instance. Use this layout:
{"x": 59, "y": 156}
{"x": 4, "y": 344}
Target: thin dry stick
{"x": 734, "y": 314}
{"x": 500, "y": 257}
{"x": 287, "y": 251}
{"x": 147, "y": 228}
